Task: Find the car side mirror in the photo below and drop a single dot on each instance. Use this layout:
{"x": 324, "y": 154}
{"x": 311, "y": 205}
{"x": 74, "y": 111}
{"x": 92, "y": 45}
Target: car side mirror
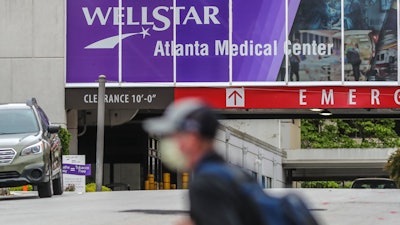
{"x": 52, "y": 129}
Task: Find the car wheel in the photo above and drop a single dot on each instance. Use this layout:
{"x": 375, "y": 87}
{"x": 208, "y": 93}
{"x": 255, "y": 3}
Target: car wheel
{"x": 45, "y": 189}
{"x": 58, "y": 185}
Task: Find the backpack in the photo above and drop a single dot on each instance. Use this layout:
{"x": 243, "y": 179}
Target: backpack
{"x": 287, "y": 210}
{"x": 293, "y": 59}
{"x": 352, "y": 55}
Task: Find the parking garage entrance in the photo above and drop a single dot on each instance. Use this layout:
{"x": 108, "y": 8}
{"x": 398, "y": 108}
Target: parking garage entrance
{"x": 130, "y": 155}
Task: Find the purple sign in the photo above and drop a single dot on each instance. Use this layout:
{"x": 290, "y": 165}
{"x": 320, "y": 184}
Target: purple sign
{"x": 87, "y": 23}
{"x": 82, "y": 170}
{"x": 147, "y": 25}
{"x": 192, "y": 41}
{"x": 259, "y": 35}
{"x": 202, "y": 33}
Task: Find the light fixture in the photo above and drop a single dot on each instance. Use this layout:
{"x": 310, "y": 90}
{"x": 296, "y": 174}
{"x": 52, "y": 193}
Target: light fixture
{"x": 316, "y": 110}
{"x": 325, "y": 112}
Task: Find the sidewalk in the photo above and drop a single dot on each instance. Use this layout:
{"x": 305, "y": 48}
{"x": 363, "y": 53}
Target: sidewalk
{"x": 330, "y": 206}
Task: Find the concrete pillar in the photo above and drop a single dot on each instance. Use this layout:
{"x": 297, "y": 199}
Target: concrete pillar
{"x": 72, "y": 126}
{"x": 288, "y": 178}
{"x": 179, "y": 180}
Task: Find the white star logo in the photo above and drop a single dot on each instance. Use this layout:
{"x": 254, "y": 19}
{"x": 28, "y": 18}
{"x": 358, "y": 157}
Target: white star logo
{"x": 111, "y": 42}
{"x": 145, "y": 32}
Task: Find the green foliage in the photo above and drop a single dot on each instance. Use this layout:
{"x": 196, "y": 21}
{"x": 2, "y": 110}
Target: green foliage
{"x": 20, "y": 188}
{"x": 319, "y": 184}
{"x": 356, "y": 133}
{"x": 393, "y": 166}
{"x": 65, "y": 137}
{"x": 91, "y": 187}
{"x": 326, "y": 134}
{"x": 325, "y": 184}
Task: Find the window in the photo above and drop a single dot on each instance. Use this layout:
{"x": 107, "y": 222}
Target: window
{"x": 266, "y": 182}
{"x": 18, "y": 121}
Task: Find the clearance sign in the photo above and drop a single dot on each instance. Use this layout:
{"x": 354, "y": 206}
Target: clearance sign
{"x": 295, "y": 97}
{"x": 231, "y": 42}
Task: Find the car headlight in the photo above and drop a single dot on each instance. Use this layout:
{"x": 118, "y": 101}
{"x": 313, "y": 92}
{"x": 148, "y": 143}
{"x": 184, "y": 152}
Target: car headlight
{"x": 33, "y": 149}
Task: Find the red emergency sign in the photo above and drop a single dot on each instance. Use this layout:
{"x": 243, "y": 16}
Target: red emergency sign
{"x": 296, "y": 97}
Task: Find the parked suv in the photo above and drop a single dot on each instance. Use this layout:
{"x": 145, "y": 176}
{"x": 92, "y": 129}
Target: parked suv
{"x": 30, "y": 150}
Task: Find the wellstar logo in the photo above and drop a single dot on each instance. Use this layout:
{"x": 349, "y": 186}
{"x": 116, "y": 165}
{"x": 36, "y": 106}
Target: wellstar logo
{"x": 111, "y": 42}
{"x": 159, "y": 19}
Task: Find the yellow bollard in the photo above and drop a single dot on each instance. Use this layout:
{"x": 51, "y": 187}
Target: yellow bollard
{"x": 167, "y": 181}
{"x": 151, "y": 181}
{"x": 185, "y": 180}
{"x": 146, "y": 185}
{"x": 185, "y": 177}
{"x": 173, "y": 186}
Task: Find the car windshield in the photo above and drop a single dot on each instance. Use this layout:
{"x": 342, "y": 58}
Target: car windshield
{"x": 18, "y": 121}
{"x": 374, "y": 184}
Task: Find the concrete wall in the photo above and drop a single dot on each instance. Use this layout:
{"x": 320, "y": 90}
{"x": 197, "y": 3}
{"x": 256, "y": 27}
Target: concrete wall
{"x": 290, "y": 134}
{"x": 32, "y": 54}
{"x": 283, "y": 134}
{"x": 252, "y": 154}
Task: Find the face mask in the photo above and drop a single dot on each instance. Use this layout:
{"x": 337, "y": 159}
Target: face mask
{"x": 171, "y": 155}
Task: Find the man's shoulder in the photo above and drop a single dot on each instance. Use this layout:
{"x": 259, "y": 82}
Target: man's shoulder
{"x": 209, "y": 158}
{"x": 212, "y": 168}
{"x": 212, "y": 178}
{"x": 222, "y": 171}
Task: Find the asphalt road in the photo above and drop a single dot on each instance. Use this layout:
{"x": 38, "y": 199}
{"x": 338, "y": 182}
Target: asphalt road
{"x": 331, "y": 207}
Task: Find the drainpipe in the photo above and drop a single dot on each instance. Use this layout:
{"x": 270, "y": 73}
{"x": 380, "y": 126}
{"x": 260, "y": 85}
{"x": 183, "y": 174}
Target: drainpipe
{"x": 279, "y": 134}
{"x": 244, "y": 152}
{"x": 227, "y": 137}
{"x": 274, "y": 163}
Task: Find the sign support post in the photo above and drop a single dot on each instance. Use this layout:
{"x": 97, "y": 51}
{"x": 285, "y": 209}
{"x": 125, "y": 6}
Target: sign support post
{"x": 100, "y": 133}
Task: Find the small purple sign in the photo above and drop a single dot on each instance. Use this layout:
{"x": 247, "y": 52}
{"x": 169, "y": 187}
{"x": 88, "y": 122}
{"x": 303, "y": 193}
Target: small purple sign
{"x": 81, "y": 170}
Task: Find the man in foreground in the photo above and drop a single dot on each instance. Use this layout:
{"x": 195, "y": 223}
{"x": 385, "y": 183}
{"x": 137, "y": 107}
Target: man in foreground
{"x": 219, "y": 194}
{"x": 188, "y": 129}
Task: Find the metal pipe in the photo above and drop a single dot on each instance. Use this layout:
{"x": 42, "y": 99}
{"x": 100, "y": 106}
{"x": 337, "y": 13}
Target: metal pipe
{"x": 227, "y": 137}
{"x": 100, "y": 132}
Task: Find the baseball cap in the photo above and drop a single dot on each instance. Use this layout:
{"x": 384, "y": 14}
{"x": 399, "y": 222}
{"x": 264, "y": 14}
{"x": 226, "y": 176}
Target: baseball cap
{"x": 186, "y": 115}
